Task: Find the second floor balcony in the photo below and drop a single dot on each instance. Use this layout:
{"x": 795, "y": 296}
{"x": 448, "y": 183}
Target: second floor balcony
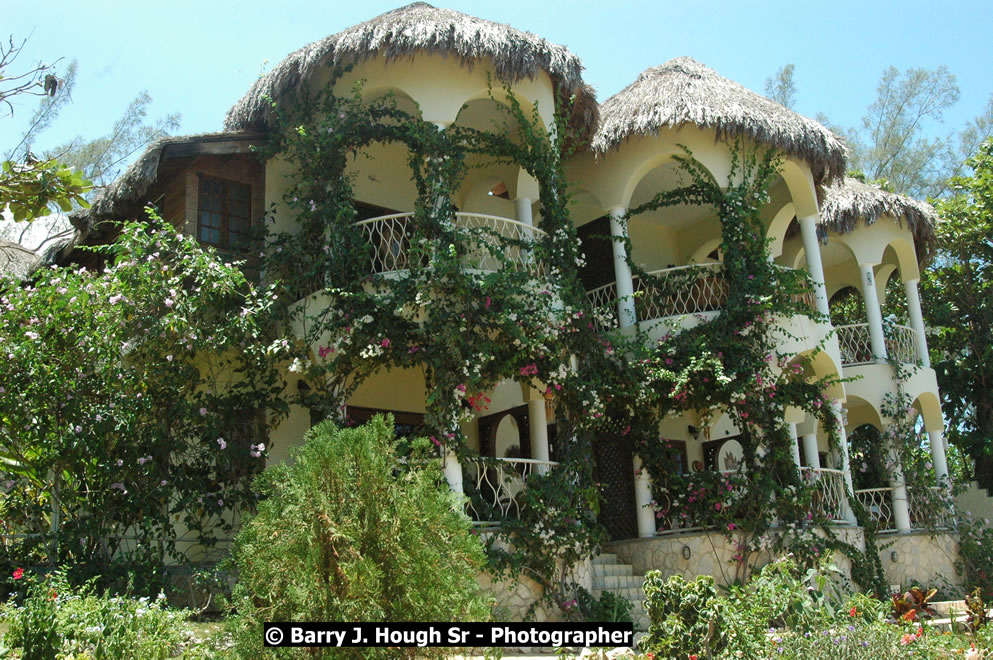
{"x": 856, "y": 345}
{"x": 491, "y": 243}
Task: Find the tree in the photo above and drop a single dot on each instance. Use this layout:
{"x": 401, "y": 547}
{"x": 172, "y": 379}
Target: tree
{"x": 958, "y": 290}
{"x": 30, "y": 187}
{"x": 132, "y": 400}
{"x": 781, "y": 88}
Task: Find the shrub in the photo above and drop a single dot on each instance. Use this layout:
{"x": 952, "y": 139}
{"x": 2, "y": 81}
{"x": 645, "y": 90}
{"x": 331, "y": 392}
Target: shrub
{"x": 609, "y": 608}
{"x": 59, "y": 621}
{"x": 348, "y": 533}
{"x": 684, "y": 616}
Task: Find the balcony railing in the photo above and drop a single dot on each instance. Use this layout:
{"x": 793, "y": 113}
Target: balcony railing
{"x": 494, "y": 487}
{"x": 829, "y": 492}
{"x": 929, "y": 508}
{"x": 489, "y": 236}
{"x": 672, "y": 292}
{"x": 856, "y": 344}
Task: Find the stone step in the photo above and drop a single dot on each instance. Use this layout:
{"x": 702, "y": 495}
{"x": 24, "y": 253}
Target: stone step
{"x": 618, "y": 581}
{"x": 605, "y": 558}
{"x": 628, "y": 593}
{"x": 612, "y": 569}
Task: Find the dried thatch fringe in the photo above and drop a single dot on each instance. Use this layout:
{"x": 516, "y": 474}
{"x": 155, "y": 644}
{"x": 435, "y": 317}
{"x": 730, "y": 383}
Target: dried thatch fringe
{"x": 683, "y": 91}
{"x": 17, "y": 261}
{"x": 404, "y": 32}
{"x": 849, "y": 201}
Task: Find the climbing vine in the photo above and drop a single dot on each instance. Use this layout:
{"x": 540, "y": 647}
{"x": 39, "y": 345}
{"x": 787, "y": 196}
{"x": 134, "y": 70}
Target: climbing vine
{"x": 526, "y": 318}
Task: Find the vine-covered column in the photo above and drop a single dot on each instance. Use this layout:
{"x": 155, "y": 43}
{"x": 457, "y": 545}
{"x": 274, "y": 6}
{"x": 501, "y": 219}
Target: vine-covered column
{"x": 937, "y": 442}
{"x": 622, "y": 270}
{"x": 846, "y": 466}
{"x": 643, "y": 500}
{"x": 917, "y": 320}
{"x": 812, "y": 252}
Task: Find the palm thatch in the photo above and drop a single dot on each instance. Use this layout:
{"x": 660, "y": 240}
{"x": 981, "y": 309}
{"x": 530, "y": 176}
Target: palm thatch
{"x": 16, "y": 261}
{"x": 114, "y": 200}
{"x": 683, "y": 91}
{"x": 849, "y": 201}
{"x": 402, "y": 34}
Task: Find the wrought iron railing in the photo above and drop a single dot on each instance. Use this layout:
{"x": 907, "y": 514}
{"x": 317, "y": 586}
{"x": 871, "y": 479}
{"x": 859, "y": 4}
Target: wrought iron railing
{"x": 494, "y": 242}
{"x": 856, "y": 344}
{"x": 494, "y": 487}
{"x": 878, "y": 503}
{"x": 901, "y": 344}
{"x": 603, "y": 299}
{"x": 829, "y": 492}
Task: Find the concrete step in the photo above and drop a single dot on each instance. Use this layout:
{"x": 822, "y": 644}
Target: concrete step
{"x": 612, "y": 569}
{"x": 618, "y": 581}
{"x": 605, "y": 558}
{"x": 629, "y": 593}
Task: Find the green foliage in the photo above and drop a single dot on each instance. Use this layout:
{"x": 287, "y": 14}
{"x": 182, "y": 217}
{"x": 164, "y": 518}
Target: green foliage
{"x": 609, "y": 608}
{"x": 974, "y": 564}
{"x": 958, "y": 295}
{"x": 345, "y": 533}
{"x": 685, "y": 616}
{"x": 976, "y": 610}
{"x": 913, "y": 605}
{"x": 168, "y": 349}
{"x": 57, "y": 620}
{"x": 29, "y": 189}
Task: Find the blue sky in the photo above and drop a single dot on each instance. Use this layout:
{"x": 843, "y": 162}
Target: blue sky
{"x": 198, "y": 58}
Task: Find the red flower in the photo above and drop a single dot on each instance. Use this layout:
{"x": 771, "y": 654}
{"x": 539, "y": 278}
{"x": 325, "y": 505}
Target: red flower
{"x": 18, "y": 573}
{"x": 852, "y": 612}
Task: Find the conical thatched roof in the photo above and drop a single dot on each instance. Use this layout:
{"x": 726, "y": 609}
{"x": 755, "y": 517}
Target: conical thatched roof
{"x": 849, "y": 201}
{"x": 683, "y": 91}
{"x": 404, "y": 32}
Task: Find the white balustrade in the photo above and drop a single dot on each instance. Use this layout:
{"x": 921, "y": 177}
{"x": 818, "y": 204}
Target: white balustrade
{"x": 856, "y": 345}
{"x": 901, "y": 344}
{"x": 878, "y": 502}
{"x": 494, "y": 487}
{"x": 487, "y": 235}
{"x": 829, "y": 492}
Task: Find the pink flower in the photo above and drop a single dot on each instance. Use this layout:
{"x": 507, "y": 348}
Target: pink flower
{"x": 730, "y": 527}
{"x": 18, "y": 573}
{"x": 168, "y": 302}
{"x": 203, "y": 411}
{"x": 385, "y": 343}
{"x": 221, "y": 443}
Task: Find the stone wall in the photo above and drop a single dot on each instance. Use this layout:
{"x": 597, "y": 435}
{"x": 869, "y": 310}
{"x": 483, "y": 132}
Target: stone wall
{"x": 514, "y": 598}
{"x": 921, "y": 558}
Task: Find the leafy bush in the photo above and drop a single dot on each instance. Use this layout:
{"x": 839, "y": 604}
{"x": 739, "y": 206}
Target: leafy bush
{"x": 57, "y": 620}
{"x": 347, "y": 533}
{"x": 684, "y": 616}
{"x": 609, "y": 608}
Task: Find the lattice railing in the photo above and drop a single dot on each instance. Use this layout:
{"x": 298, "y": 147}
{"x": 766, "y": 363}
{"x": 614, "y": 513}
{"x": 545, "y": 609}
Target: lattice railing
{"x": 829, "y": 492}
{"x": 878, "y": 502}
{"x": 603, "y": 299}
{"x": 668, "y": 520}
{"x": 803, "y": 299}
{"x": 855, "y": 344}
{"x": 494, "y": 487}
{"x": 489, "y": 236}
{"x": 679, "y": 292}
{"x": 930, "y": 508}
{"x": 901, "y": 344}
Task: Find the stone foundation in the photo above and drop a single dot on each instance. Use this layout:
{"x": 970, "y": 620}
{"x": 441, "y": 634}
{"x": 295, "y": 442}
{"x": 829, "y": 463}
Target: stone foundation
{"x": 920, "y": 558}
{"x": 514, "y": 599}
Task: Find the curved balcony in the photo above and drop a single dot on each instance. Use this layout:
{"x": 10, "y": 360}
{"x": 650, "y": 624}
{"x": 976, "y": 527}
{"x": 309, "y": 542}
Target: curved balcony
{"x": 494, "y": 489}
{"x": 493, "y": 241}
{"x": 678, "y": 291}
{"x": 856, "y": 344}
{"x": 829, "y": 492}
{"x": 928, "y": 508}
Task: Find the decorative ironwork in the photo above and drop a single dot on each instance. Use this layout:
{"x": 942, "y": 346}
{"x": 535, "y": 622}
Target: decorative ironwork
{"x": 614, "y": 462}
{"x": 829, "y": 492}
{"x": 930, "y": 508}
{"x": 488, "y": 236}
{"x": 495, "y": 486}
{"x": 855, "y": 344}
{"x": 901, "y": 344}
{"x": 878, "y": 502}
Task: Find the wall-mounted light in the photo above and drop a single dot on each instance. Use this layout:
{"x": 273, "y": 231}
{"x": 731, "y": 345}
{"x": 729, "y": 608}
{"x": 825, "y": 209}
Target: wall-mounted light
{"x": 894, "y": 556}
{"x": 687, "y": 553}
{"x": 693, "y": 431}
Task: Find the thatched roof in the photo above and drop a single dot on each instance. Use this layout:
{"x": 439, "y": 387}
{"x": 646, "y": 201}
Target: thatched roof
{"x": 115, "y": 200}
{"x": 849, "y": 201}
{"x": 401, "y": 34}
{"x": 683, "y": 91}
{"x": 17, "y": 261}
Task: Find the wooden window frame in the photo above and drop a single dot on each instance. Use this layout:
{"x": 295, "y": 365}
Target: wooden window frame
{"x": 225, "y": 238}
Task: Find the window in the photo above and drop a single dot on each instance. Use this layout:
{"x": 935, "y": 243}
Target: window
{"x": 224, "y": 213}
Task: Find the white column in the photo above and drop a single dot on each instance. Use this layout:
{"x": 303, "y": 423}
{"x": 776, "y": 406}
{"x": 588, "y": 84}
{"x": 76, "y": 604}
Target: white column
{"x": 846, "y": 466}
{"x": 622, "y": 271}
{"x": 937, "y": 441}
{"x": 538, "y": 429}
{"x": 917, "y": 320}
{"x": 523, "y": 207}
{"x": 810, "y": 451}
{"x": 812, "y": 251}
{"x": 873, "y": 314}
{"x": 643, "y": 500}
{"x": 901, "y": 504}
{"x": 453, "y": 471}
{"x": 794, "y": 445}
